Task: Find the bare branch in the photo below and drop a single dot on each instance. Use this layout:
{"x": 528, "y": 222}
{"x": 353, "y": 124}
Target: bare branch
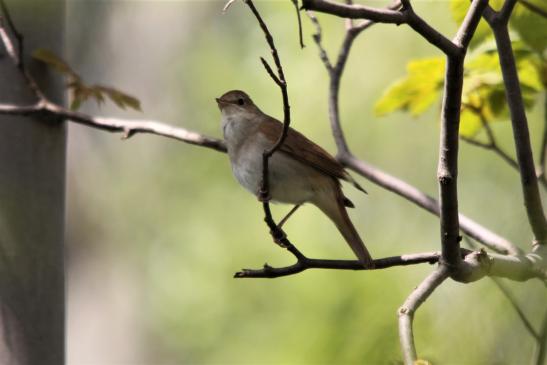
{"x": 411, "y": 305}
{"x": 516, "y": 307}
{"x": 470, "y": 23}
{"x": 16, "y": 56}
{"x": 492, "y": 146}
{"x": 300, "y": 37}
{"x": 303, "y": 263}
{"x": 317, "y": 37}
{"x": 405, "y": 16}
{"x": 377, "y": 176}
{"x": 536, "y": 9}
{"x": 447, "y": 171}
{"x": 127, "y": 127}
{"x": 543, "y": 147}
{"x": 409, "y": 192}
{"x": 521, "y": 134}
{"x": 510, "y": 297}
{"x": 541, "y": 344}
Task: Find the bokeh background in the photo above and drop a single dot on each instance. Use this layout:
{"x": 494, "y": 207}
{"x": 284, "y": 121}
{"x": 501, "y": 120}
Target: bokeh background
{"x": 157, "y": 228}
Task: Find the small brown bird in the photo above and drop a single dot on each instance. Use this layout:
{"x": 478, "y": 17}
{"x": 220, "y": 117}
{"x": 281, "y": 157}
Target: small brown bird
{"x": 299, "y": 172}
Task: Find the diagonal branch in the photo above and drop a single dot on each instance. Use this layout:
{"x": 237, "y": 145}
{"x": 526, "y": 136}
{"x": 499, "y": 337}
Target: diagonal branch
{"x": 414, "y": 195}
{"x": 17, "y": 56}
{"x": 541, "y": 344}
{"x": 411, "y": 305}
{"x": 536, "y": 9}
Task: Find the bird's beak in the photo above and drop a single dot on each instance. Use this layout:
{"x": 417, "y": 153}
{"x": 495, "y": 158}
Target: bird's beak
{"x": 220, "y": 103}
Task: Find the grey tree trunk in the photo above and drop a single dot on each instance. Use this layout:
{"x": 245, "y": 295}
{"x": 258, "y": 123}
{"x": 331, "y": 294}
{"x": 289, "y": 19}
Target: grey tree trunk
{"x": 32, "y": 200}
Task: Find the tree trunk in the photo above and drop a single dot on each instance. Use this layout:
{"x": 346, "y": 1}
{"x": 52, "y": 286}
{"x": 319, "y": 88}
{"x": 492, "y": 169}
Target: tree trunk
{"x": 32, "y": 200}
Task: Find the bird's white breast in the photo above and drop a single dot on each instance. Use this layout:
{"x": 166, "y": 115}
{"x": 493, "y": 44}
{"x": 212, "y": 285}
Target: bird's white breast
{"x": 290, "y": 181}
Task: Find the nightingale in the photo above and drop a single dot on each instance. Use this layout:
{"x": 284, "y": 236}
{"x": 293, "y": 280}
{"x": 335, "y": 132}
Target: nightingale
{"x": 299, "y": 171}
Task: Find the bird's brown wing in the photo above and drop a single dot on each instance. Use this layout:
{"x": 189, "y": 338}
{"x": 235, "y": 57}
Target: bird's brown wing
{"x": 302, "y": 149}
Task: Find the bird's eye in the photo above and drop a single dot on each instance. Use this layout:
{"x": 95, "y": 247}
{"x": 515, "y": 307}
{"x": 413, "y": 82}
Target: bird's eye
{"x": 240, "y": 101}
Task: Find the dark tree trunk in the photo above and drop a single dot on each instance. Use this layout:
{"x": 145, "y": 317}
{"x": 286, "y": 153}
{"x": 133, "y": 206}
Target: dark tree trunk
{"x": 32, "y": 200}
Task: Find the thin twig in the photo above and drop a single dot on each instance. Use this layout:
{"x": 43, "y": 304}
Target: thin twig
{"x": 514, "y": 304}
{"x": 18, "y": 56}
{"x": 300, "y": 36}
{"x": 510, "y": 297}
{"x": 492, "y": 143}
{"x": 541, "y": 344}
{"x": 543, "y": 147}
{"x": 303, "y": 263}
{"x": 409, "y": 308}
{"x": 536, "y": 9}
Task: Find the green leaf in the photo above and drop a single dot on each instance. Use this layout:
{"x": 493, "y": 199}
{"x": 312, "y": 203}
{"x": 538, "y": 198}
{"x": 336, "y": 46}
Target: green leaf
{"x": 531, "y": 26}
{"x": 470, "y": 123}
{"x": 54, "y": 61}
{"x": 120, "y": 98}
{"x": 417, "y": 91}
{"x": 81, "y": 92}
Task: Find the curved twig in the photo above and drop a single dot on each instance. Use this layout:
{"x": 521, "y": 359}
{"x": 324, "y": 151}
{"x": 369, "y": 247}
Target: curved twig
{"x": 411, "y": 305}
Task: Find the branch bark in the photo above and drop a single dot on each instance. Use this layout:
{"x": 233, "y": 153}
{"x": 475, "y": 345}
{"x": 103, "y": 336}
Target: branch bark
{"x": 405, "y": 16}
{"x": 532, "y": 198}
{"x": 411, "y": 305}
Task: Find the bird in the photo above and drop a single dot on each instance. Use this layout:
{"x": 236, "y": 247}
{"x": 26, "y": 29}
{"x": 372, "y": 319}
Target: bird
{"x": 300, "y": 171}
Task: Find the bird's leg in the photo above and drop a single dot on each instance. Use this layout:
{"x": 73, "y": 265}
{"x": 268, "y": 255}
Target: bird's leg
{"x": 284, "y": 220}
{"x": 278, "y": 234}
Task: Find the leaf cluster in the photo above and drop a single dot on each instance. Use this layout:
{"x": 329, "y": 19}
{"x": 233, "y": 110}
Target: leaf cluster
{"x": 483, "y": 98}
{"x": 80, "y": 91}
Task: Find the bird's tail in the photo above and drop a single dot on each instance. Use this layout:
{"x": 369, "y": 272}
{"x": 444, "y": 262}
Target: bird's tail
{"x": 335, "y": 210}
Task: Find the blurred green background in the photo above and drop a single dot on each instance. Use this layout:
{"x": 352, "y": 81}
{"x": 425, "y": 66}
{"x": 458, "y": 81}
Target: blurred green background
{"x": 157, "y": 228}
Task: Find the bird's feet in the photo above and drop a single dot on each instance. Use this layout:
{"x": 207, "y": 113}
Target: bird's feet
{"x": 279, "y": 237}
{"x": 264, "y": 196}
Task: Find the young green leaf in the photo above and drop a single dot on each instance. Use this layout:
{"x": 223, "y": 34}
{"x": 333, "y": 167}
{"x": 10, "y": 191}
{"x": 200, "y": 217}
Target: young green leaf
{"x": 82, "y": 92}
{"x": 417, "y": 91}
{"x": 531, "y": 26}
{"x": 55, "y": 62}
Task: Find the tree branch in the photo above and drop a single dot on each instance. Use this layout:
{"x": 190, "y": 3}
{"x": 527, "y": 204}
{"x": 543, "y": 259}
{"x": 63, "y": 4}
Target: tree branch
{"x": 447, "y": 172}
{"x": 127, "y": 127}
{"x": 521, "y": 134}
{"x": 391, "y": 183}
{"x": 303, "y": 263}
{"x": 409, "y": 192}
{"x": 541, "y": 344}
{"x": 411, "y": 305}
{"x": 536, "y": 9}
{"x": 300, "y": 37}
{"x": 405, "y": 16}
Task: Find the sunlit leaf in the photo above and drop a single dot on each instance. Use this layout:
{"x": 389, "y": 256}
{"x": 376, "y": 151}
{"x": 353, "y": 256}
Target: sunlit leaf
{"x": 531, "y": 26}
{"x": 470, "y": 123}
{"x": 417, "y": 91}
